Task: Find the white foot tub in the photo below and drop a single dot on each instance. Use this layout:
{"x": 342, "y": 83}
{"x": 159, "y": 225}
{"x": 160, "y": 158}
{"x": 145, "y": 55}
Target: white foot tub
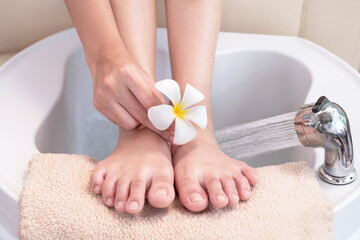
{"x": 46, "y": 106}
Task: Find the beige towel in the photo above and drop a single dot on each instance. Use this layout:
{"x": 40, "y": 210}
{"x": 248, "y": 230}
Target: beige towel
{"x": 57, "y": 203}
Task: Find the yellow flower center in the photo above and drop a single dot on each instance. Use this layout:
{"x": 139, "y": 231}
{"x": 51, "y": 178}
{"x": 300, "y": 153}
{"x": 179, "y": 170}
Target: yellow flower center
{"x": 179, "y": 111}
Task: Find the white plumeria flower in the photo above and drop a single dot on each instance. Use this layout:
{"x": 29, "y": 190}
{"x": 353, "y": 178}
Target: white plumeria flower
{"x": 162, "y": 116}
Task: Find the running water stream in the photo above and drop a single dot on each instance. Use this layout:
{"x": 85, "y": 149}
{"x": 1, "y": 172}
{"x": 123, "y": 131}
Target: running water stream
{"x": 99, "y": 136}
{"x": 262, "y": 136}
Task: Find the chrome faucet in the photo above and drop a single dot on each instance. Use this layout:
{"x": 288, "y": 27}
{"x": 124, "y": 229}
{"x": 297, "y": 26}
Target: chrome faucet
{"x": 325, "y": 124}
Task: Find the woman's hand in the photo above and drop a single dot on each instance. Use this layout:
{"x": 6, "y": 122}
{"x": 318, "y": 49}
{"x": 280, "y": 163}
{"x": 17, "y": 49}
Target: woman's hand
{"x": 123, "y": 92}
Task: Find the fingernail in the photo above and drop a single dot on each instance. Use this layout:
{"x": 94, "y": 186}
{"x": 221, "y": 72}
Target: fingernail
{"x": 161, "y": 192}
{"x": 96, "y": 188}
{"x": 133, "y": 205}
{"x": 171, "y": 139}
{"x": 220, "y": 198}
{"x": 120, "y": 204}
{"x": 195, "y": 197}
{"x": 108, "y": 201}
{"x": 235, "y": 197}
{"x": 246, "y": 193}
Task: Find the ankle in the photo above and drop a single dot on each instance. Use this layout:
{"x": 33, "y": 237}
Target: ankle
{"x": 203, "y": 137}
{"x": 141, "y": 134}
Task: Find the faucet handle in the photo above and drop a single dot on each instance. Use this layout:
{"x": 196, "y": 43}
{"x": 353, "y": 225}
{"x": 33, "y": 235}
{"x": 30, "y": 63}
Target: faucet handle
{"x": 319, "y": 104}
{"x": 325, "y": 124}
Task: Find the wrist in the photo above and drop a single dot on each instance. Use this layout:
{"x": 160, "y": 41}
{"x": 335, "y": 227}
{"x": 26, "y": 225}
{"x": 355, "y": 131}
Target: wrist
{"x": 105, "y": 53}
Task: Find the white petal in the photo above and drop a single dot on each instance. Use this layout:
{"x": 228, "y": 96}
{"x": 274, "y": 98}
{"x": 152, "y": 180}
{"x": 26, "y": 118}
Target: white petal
{"x": 170, "y": 88}
{"x": 161, "y": 116}
{"x": 197, "y": 115}
{"x": 191, "y": 96}
{"x": 184, "y": 131}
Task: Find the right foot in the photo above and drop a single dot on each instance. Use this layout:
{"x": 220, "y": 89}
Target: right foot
{"x": 203, "y": 172}
{"x": 140, "y": 164}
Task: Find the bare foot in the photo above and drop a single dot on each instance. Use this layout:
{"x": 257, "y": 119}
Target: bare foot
{"x": 139, "y": 165}
{"x": 202, "y": 170}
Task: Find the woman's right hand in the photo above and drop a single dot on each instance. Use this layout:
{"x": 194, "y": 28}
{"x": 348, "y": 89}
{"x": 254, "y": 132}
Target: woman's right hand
{"x": 123, "y": 92}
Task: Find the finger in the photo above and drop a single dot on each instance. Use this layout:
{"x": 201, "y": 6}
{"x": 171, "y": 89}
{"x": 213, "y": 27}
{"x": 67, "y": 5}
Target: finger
{"x": 138, "y": 111}
{"x": 123, "y": 118}
{"x": 106, "y": 112}
{"x": 110, "y": 116}
{"x": 143, "y": 87}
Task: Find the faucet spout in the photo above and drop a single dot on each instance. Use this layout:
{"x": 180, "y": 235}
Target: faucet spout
{"x": 325, "y": 124}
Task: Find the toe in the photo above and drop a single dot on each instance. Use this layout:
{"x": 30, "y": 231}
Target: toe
{"x": 230, "y": 190}
{"x": 251, "y": 175}
{"x": 161, "y": 193}
{"x": 191, "y": 194}
{"x": 243, "y": 187}
{"x": 122, "y": 193}
{"x": 136, "y": 200}
{"x": 216, "y": 193}
{"x": 97, "y": 179}
{"x": 108, "y": 190}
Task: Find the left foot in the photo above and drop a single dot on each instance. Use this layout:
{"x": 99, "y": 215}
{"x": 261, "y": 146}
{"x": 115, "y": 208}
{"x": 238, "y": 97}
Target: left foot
{"x": 203, "y": 171}
{"x": 139, "y": 166}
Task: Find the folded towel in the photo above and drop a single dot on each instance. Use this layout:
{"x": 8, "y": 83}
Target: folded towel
{"x": 58, "y": 203}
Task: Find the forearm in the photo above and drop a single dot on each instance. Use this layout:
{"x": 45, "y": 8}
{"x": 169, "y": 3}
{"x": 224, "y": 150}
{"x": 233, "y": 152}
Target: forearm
{"x": 193, "y": 28}
{"x": 136, "y": 22}
{"x": 119, "y": 42}
{"x": 96, "y": 26}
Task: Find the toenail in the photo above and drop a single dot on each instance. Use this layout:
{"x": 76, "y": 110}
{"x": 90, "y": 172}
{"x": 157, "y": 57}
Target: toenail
{"x": 120, "y": 204}
{"x": 220, "y": 198}
{"x": 96, "y": 188}
{"x": 246, "y": 193}
{"x": 133, "y": 205}
{"x": 235, "y": 197}
{"x": 195, "y": 197}
{"x": 161, "y": 192}
{"x": 108, "y": 201}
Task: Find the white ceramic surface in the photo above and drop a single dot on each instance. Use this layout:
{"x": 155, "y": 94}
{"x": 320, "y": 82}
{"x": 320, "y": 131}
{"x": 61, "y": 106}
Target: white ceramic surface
{"x": 46, "y": 106}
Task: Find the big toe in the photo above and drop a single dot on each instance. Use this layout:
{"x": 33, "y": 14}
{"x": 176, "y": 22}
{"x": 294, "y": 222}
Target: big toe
{"x": 97, "y": 179}
{"x": 191, "y": 194}
{"x": 161, "y": 193}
